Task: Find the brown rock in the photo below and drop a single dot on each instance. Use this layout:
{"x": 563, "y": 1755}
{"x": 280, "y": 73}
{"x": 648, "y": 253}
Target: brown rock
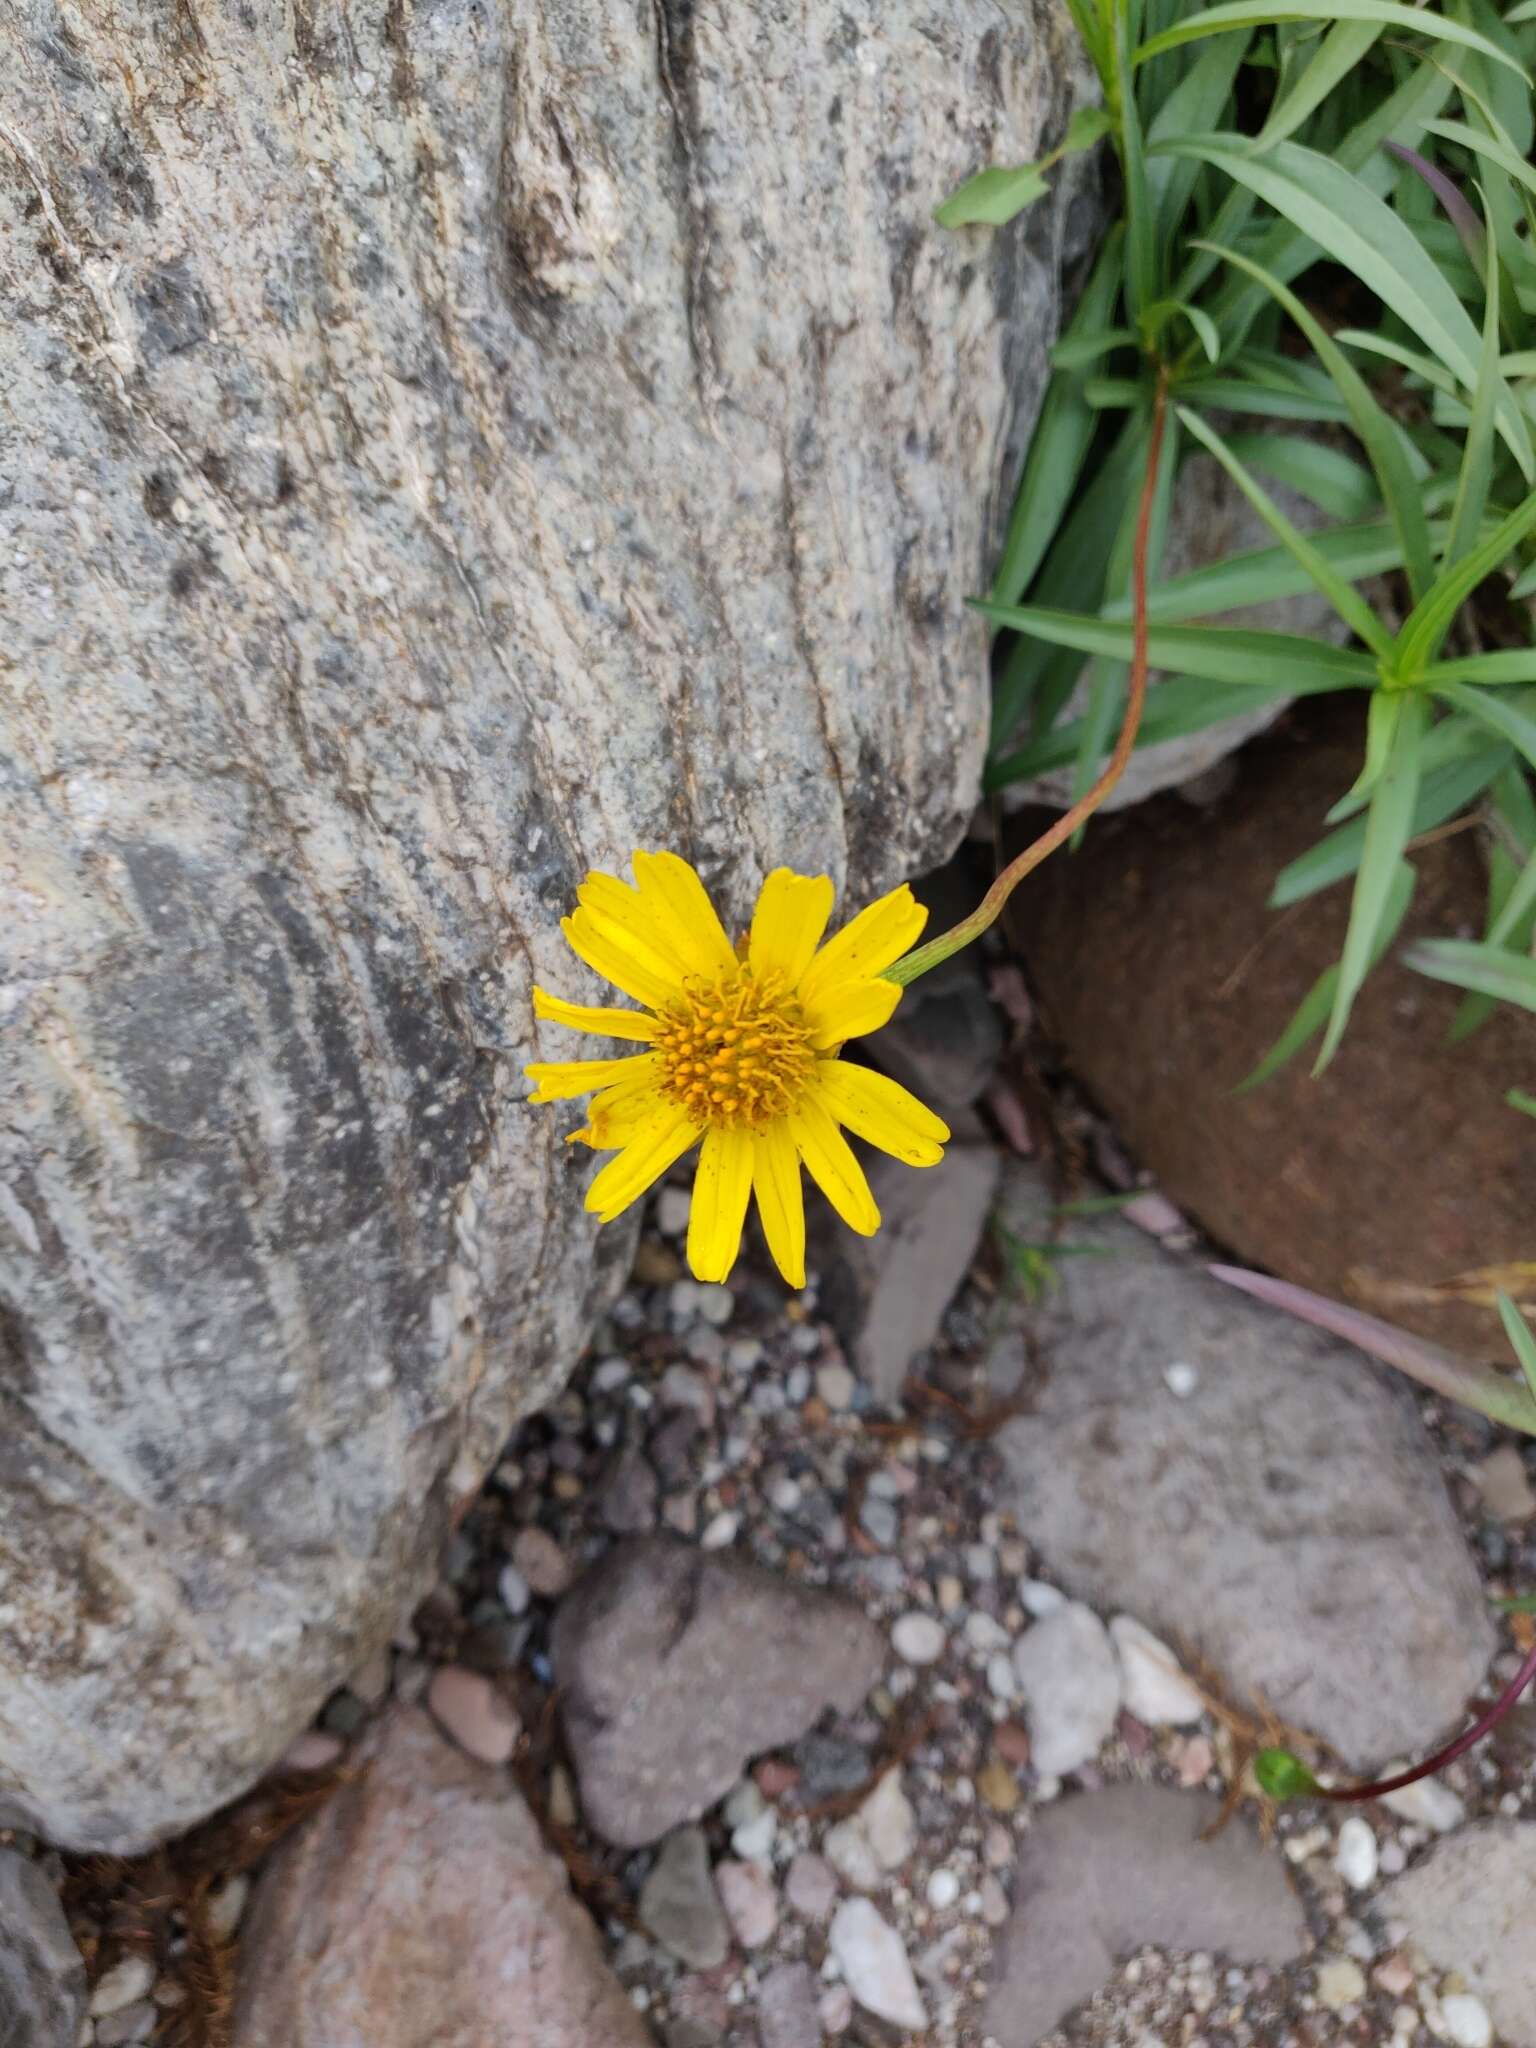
{"x": 1105, "y": 1874}
{"x": 1166, "y": 979}
{"x": 679, "y": 1665}
{"x": 420, "y": 1909}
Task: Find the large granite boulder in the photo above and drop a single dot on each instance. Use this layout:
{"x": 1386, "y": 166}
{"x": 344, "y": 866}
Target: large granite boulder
{"x": 458, "y": 444}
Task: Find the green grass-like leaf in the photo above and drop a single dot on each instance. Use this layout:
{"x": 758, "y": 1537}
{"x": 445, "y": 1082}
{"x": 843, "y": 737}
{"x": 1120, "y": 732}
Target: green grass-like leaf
{"x": 1388, "y": 827}
{"x": 1347, "y": 221}
{"x": 1378, "y": 436}
{"x": 1317, "y": 1005}
{"x": 1469, "y": 963}
{"x": 1226, "y": 654}
{"x": 1346, "y": 601}
{"x": 1385, "y": 13}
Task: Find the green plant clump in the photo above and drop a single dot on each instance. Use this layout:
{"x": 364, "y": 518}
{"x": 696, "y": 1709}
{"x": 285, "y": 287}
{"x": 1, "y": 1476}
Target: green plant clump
{"x": 1326, "y": 270}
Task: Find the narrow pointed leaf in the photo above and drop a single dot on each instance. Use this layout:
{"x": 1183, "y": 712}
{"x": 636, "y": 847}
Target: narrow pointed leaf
{"x": 1388, "y": 827}
{"x": 1387, "y": 13}
{"x": 1346, "y": 601}
{"x": 1470, "y": 963}
{"x": 1399, "y": 490}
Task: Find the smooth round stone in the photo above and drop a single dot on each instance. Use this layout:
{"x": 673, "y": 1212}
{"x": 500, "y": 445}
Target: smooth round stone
{"x": 1466, "y": 2020}
{"x": 124, "y": 1984}
{"x": 467, "y": 1707}
{"x": 1355, "y": 1858}
{"x": 918, "y": 1639}
{"x": 943, "y": 1890}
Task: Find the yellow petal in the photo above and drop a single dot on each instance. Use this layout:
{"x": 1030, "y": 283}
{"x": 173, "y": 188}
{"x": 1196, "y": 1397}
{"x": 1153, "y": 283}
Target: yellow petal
{"x": 881, "y": 1110}
{"x": 868, "y": 945}
{"x": 558, "y": 1080}
{"x": 720, "y": 1190}
{"x": 776, "y": 1183}
{"x": 617, "y": 1113}
{"x": 832, "y": 1166}
{"x": 628, "y": 920}
{"x": 601, "y": 1023}
{"x": 850, "y": 1010}
{"x": 659, "y": 1140}
{"x": 791, "y": 915}
{"x": 679, "y": 903}
{"x": 648, "y": 984}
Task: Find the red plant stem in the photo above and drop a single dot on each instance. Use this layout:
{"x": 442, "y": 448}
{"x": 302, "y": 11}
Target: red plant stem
{"x": 991, "y": 905}
{"x": 1452, "y": 1750}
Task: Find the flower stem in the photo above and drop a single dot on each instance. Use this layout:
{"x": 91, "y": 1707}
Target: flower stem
{"x": 922, "y": 958}
{"x": 1480, "y": 1727}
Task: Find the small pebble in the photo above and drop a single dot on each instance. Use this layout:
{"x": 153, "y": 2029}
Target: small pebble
{"x": 880, "y": 1522}
{"x": 609, "y": 1375}
{"x": 467, "y": 1707}
{"x": 720, "y": 1530}
{"x": 124, "y": 1984}
{"x": 1002, "y": 1680}
{"x": 1466, "y": 2020}
{"x": 314, "y": 1751}
{"x": 836, "y": 1385}
{"x": 1428, "y": 1802}
{"x": 750, "y": 1901}
{"x": 997, "y": 1786}
{"x": 744, "y": 1354}
{"x": 1355, "y": 1858}
{"x": 513, "y": 1590}
{"x": 874, "y": 1964}
{"x": 1394, "y": 1975}
{"x": 672, "y": 1207}
{"x": 993, "y": 1901}
{"x": 943, "y": 1890}
{"x": 836, "y": 2009}
{"x": 226, "y": 1905}
{"x": 810, "y": 1886}
{"x": 1340, "y": 1982}
{"x": 1041, "y": 1599}
{"x": 1181, "y": 1380}
{"x": 127, "y": 2027}
{"x": 918, "y": 1639}
{"x": 542, "y": 1563}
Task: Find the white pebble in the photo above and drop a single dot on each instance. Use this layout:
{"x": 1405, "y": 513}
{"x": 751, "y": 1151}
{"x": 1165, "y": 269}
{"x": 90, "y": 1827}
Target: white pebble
{"x": 226, "y": 1905}
{"x": 672, "y": 1207}
{"x": 1069, "y": 1676}
{"x": 124, "y": 1984}
{"x": 983, "y": 1633}
{"x": 1156, "y": 1690}
{"x": 1002, "y": 1681}
{"x": 1041, "y": 1599}
{"x": 943, "y": 1890}
{"x": 1355, "y": 1858}
{"x": 1466, "y": 2020}
{"x": 874, "y": 1965}
{"x": 835, "y": 1384}
{"x": 918, "y": 1639}
{"x": 609, "y": 1375}
{"x": 1429, "y": 1803}
{"x": 720, "y": 1530}
{"x": 1340, "y": 1982}
{"x": 513, "y": 1589}
{"x": 1181, "y": 1379}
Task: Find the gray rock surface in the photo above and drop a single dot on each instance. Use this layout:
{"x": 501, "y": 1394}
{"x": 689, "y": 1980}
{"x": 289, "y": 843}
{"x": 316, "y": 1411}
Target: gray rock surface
{"x": 786, "y": 2008}
{"x": 1270, "y": 1520}
{"x": 42, "y": 1976}
{"x": 887, "y": 1294}
{"x": 1210, "y": 520}
{"x": 419, "y": 1908}
{"x": 1109, "y": 1872}
{"x": 1470, "y": 1906}
{"x": 454, "y": 445}
{"x": 679, "y": 1904}
{"x": 676, "y": 1666}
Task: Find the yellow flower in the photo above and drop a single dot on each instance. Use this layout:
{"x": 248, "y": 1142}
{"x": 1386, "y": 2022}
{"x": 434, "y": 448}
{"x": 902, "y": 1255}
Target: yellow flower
{"x": 743, "y": 1045}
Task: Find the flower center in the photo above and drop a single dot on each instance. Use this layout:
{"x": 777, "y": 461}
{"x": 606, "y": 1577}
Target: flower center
{"x": 737, "y": 1052}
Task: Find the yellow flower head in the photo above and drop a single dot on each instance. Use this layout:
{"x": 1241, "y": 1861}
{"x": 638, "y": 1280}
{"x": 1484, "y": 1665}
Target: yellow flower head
{"x": 743, "y": 1046}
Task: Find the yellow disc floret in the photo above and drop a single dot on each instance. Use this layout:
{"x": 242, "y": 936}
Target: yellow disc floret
{"x": 736, "y": 1053}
